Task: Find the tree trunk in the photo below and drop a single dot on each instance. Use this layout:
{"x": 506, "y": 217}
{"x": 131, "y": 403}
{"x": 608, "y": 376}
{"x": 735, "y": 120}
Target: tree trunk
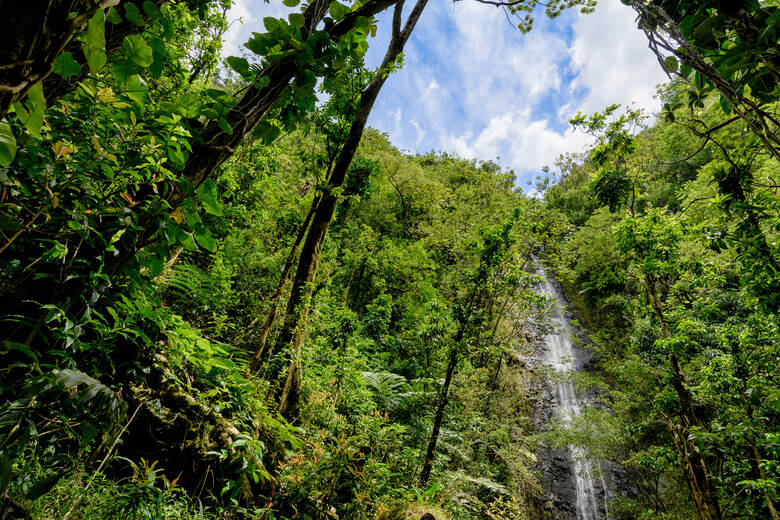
{"x": 260, "y": 351}
{"x": 216, "y": 145}
{"x": 33, "y": 34}
{"x": 695, "y": 467}
{"x": 430, "y": 453}
{"x": 292, "y": 334}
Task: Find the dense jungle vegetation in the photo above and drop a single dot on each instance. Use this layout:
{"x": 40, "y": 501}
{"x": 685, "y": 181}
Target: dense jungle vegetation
{"x": 222, "y": 295}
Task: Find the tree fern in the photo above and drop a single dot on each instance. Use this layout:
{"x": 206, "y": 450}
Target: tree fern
{"x": 391, "y": 391}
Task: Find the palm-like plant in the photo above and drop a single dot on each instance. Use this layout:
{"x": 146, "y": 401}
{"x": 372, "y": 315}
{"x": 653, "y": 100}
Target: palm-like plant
{"x": 391, "y": 391}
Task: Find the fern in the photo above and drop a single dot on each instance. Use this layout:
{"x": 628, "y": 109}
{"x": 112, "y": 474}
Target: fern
{"x": 391, "y": 392}
{"x": 190, "y": 280}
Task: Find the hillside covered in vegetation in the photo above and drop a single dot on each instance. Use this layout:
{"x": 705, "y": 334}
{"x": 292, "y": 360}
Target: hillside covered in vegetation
{"x": 224, "y": 295}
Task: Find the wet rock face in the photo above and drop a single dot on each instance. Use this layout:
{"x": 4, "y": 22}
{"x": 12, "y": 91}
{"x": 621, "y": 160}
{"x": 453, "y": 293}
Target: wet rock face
{"x": 557, "y": 467}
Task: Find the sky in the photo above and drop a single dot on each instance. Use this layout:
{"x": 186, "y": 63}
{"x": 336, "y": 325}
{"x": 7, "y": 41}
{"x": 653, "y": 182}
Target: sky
{"x": 476, "y": 87}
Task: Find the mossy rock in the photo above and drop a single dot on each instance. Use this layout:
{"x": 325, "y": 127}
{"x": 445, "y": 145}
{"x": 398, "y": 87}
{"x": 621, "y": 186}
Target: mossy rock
{"x": 411, "y": 511}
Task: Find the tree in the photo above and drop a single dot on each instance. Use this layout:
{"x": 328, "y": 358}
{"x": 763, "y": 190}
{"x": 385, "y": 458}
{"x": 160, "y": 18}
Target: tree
{"x": 727, "y": 47}
{"x": 292, "y": 332}
{"x": 494, "y": 252}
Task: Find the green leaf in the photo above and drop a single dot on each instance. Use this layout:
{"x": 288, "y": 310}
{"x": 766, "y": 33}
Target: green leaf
{"x": 43, "y": 486}
{"x": 291, "y": 3}
{"x": 122, "y": 70}
{"x": 260, "y": 43}
{"x": 223, "y": 124}
{"x": 338, "y": 10}
{"x": 138, "y": 51}
{"x": 267, "y": 132}
{"x": 151, "y": 10}
{"x": 136, "y": 89}
{"x": 270, "y": 23}
{"x": 37, "y": 104}
{"x": 671, "y": 64}
{"x": 113, "y": 16}
{"x": 240, "y": 65}
{"x": 133, "y": 15}
{"x": 724, "y": 105}
{"x": 88, "y": 432}
{"x": 94, "y": 41}
{"x": 7, "y": 143}
{"x": 176, "y": 156}
{"x": 296, "y": 19}
{"x": 185, "y": 239}
{"x": 154, "y": 263}
{"x": 208, "y": 195}
{"x": 65, "y": 66}
{"x": 116, "y": 236}
{"x": 305, "y": 77}
{"x": 204, "y": 239}
{"x": 23, "y": 349}
{"x": 188, "y": 105}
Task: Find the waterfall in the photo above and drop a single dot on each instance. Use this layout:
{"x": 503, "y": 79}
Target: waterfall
{"x": 562, "y": 357}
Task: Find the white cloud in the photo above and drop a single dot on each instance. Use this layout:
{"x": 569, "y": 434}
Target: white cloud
{"x": 521, "y": 97}
{"x": 518, "y": 139}
{"x": 397, "y": 119}
{"x": 498, "y": 67}
{"x": 420, "y": 132}
{"x": 475, "y": 86}
{"x": 432, "y": 86}
{"x": 611, "y": 60}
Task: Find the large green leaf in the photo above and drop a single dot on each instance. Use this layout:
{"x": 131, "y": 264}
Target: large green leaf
{"x": 136, "y": 89}
{"x": 204, "y": 238}
{"x": 7, "y": 143}
{"x": 188, "y": 105}
{"x": 44, "y": 485}
{"x": 138, "y": 51}
{"x": 65, "y": 66}
{"x": 208, "y": 195}
{"x": 133, "y": 14}
{"x": 94, "y": 41}
{"x": 338, "y": 10}
{"x": 240, "y": 65}
{"x": 271, "y": 24}
{"x": 37, "y": 104}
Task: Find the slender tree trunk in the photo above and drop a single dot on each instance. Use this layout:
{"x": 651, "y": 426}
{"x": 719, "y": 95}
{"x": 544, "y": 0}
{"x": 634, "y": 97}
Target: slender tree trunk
{"x": 757, "y": 458}
{"x": 292, "y": 334}
{"x": 430, "y": 453}
{"x": 214, "y": 146}
{"x": 695, "y": 467}
{"x": 260, "y": 351}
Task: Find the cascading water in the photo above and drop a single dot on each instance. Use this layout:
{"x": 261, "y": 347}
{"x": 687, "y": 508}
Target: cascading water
{"x": 560, "y": 355}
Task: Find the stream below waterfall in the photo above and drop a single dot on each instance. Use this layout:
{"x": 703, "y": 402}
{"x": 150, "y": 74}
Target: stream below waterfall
{"x": 577, "y": 490}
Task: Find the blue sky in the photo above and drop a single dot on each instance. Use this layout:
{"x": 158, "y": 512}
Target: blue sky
{"x": 476, "y": 87}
